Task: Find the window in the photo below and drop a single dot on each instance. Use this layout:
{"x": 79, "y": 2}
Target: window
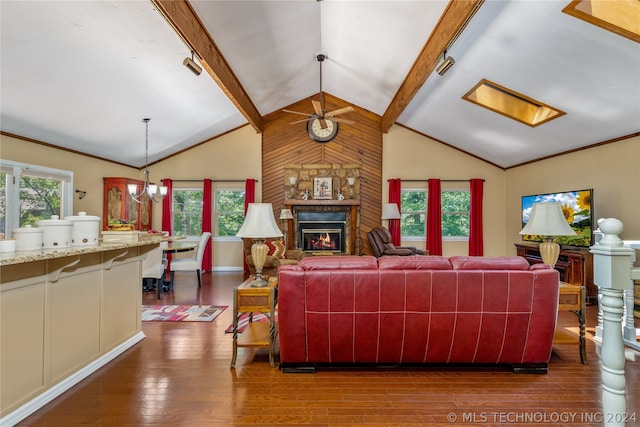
{"x": 29, "y": 193}
{"x": 229, "y": 211}
{"x": 187, "y": 212}
{"x": 456, "y": 205}
{"x": 413, "y": 204}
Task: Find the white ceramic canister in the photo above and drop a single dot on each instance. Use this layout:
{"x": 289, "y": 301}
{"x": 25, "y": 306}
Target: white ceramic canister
{"x": 56, "y": 232}
{"x": 28, "y": 238}
{"x": 7, "y": 245}
{"x": 85, "y": 229}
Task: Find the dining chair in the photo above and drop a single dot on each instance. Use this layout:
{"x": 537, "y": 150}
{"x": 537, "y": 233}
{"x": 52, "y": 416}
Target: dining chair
{"x": 153, "y": 268}
{"x": 191, "y": 264}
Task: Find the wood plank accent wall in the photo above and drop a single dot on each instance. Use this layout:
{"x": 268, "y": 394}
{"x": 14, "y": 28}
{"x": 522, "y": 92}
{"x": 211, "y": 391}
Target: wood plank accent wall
{"x": 360, "y": 143}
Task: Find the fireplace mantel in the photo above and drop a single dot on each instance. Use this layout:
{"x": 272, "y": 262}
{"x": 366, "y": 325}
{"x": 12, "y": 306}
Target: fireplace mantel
{"x": 322, "y": 202}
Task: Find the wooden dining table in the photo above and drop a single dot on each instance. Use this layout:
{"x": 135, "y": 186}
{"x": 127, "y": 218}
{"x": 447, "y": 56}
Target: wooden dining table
{"x": 176, "y": 247}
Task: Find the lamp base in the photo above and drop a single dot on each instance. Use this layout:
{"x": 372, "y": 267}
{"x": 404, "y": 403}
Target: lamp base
{"x": 258, "y": 282}
{"x": 549, "y": 251}
{"x": 259, "y": 254}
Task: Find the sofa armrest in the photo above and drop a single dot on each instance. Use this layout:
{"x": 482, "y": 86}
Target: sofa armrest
{"x": 295, "y": 254}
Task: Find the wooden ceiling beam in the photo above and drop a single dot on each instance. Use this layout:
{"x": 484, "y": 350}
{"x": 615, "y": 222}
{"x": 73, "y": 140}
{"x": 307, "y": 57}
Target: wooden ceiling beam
{"x": 180, "y": 15}
{"x": 452, "y": 21}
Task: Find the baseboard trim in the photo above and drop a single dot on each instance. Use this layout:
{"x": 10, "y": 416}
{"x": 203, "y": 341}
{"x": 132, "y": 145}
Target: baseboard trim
{"x": 226, "y": 268}
{"x": 56, "y": 390}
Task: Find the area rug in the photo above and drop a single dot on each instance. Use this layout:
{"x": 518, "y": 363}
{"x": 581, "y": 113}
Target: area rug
{"x": 181, "y": 313}
{"x": 243, "y": 321}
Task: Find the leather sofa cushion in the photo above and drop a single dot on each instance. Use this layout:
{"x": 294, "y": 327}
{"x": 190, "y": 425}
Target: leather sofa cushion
{"x": 489, "y": 263}
{"x": 339, "y": 263}
{"x": 417, "y": 262}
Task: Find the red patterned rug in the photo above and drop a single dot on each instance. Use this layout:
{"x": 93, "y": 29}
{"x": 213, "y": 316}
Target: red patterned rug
{"x": 243, "y": 321}
{"x": 181, "y": 313}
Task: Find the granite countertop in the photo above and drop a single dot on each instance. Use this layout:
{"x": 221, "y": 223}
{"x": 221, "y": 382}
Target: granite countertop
{"x": 19, "y": 257}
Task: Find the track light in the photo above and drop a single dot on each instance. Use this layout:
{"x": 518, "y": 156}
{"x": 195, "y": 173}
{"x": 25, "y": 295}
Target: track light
{"x": 192, "y": 65}
{"x": 445, "y": 65}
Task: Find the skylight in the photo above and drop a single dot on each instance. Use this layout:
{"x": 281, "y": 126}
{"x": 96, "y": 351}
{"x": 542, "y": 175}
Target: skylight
{"x": 511, "y": 104}
{"x": 620, "y": 16}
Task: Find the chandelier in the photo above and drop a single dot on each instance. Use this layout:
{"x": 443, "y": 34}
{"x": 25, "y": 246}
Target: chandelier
{"x": 149, "y": 189}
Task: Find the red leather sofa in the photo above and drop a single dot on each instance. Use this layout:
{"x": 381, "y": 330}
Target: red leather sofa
{"x": 362, "y": 310}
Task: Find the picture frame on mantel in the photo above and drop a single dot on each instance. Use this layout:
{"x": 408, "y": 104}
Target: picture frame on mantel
{"x": 322, "y": 188}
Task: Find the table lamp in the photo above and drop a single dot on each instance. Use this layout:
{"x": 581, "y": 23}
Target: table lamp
{"x": 285, "y": 216}
{"x": 548, "y": 221}
{"x": 390, "y": 211}
{"x": 259, "y": 224}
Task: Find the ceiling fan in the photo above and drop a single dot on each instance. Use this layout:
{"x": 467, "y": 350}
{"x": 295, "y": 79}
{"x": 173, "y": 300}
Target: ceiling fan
{"x": 322, "y": 125}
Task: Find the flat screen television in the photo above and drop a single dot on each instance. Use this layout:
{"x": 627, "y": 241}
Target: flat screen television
{"x": 577, "y": 208}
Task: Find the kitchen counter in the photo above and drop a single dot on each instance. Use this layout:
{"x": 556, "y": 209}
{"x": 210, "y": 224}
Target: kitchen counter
{"x": 65, "y": 313}
{"x": 20, "y": 257}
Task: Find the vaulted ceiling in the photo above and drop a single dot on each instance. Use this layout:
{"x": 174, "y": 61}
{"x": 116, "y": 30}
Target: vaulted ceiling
{"x": 82, "y": 75}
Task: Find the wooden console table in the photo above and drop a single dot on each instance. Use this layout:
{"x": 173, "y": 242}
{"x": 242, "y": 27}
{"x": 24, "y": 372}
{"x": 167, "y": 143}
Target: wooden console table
{"x": 572, "y": 298}
{"x": 247, "y": 299}
{"x": 575, "y": 265}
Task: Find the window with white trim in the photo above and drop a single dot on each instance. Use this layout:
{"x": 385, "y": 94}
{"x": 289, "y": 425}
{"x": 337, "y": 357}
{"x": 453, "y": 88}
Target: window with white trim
{"x": 229, "y": 211}
{"x": 456, "y": 206}
{"x": 187, "y": 212}
{"x": 413, "y": 209}
{"x": 29, "y": 193}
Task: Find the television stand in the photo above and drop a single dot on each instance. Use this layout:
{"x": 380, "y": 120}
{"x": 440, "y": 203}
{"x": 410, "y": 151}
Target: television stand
{"x": 575, "y": 265}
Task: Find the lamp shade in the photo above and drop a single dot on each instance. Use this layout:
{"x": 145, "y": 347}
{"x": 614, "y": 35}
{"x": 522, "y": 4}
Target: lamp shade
{"x": 390, "y": 211}
{"x": 259, "y": 223}
{"x": 286, "y": 214}
{"x": 547, "y": 219}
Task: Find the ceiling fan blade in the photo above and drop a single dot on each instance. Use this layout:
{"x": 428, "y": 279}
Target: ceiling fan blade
{"x": 339, "y": 111}
{"x": 299, "y": 121}
{"x": 317, "y": 108}
{"x": 339, "y": 120}
{"x": 297, "y": 112}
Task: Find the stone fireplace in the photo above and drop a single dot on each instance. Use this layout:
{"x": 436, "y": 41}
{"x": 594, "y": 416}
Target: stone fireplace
{"x": 323, "y": 224}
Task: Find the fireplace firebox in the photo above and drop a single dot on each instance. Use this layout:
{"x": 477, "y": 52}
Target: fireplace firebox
{"x": 322, "y": 231}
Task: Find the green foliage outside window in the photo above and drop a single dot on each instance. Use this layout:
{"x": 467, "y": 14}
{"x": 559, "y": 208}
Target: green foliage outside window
{"x": 456, "y": 205}
{"x": 414, "y": 208}
{"x": 39, "y": 199}
{"x": 229, "y": 212}
{"x": 187, "y": 212}
{"x": 455, "y": 213}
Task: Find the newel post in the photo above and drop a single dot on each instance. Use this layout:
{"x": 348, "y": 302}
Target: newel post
{"x": 612, "y": 265}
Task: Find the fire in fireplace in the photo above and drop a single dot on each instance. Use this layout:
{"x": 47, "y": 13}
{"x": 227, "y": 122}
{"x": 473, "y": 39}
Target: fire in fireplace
{"x": 324, "y": 239}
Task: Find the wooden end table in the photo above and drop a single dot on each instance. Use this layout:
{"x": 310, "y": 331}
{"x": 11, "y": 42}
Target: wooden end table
{"x": 573, "y": 298}
{"x": 247, "y": 299}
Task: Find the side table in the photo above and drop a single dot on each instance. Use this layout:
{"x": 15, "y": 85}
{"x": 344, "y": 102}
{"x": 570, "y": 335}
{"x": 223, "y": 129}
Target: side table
{"x": 247, "y": 299}
{"x": 573, "y": 298}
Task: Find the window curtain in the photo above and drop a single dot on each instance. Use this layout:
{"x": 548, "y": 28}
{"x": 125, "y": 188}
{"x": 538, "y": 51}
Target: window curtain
{"x": 395, "y": 187}
{"x": 476, "y": 243}
{"x": 207, "y": 206}
{"x": 167, "y": 213}
{"x": 249, "y": 193}
{"x": 434, "y": 218}
{"x": 249, "y": 197}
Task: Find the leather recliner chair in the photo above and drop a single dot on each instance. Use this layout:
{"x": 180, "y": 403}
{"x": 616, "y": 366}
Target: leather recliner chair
{"x": 380, "y": 241}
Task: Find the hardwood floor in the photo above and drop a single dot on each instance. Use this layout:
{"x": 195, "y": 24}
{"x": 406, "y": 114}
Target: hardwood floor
{"x": 179, "y": 375}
